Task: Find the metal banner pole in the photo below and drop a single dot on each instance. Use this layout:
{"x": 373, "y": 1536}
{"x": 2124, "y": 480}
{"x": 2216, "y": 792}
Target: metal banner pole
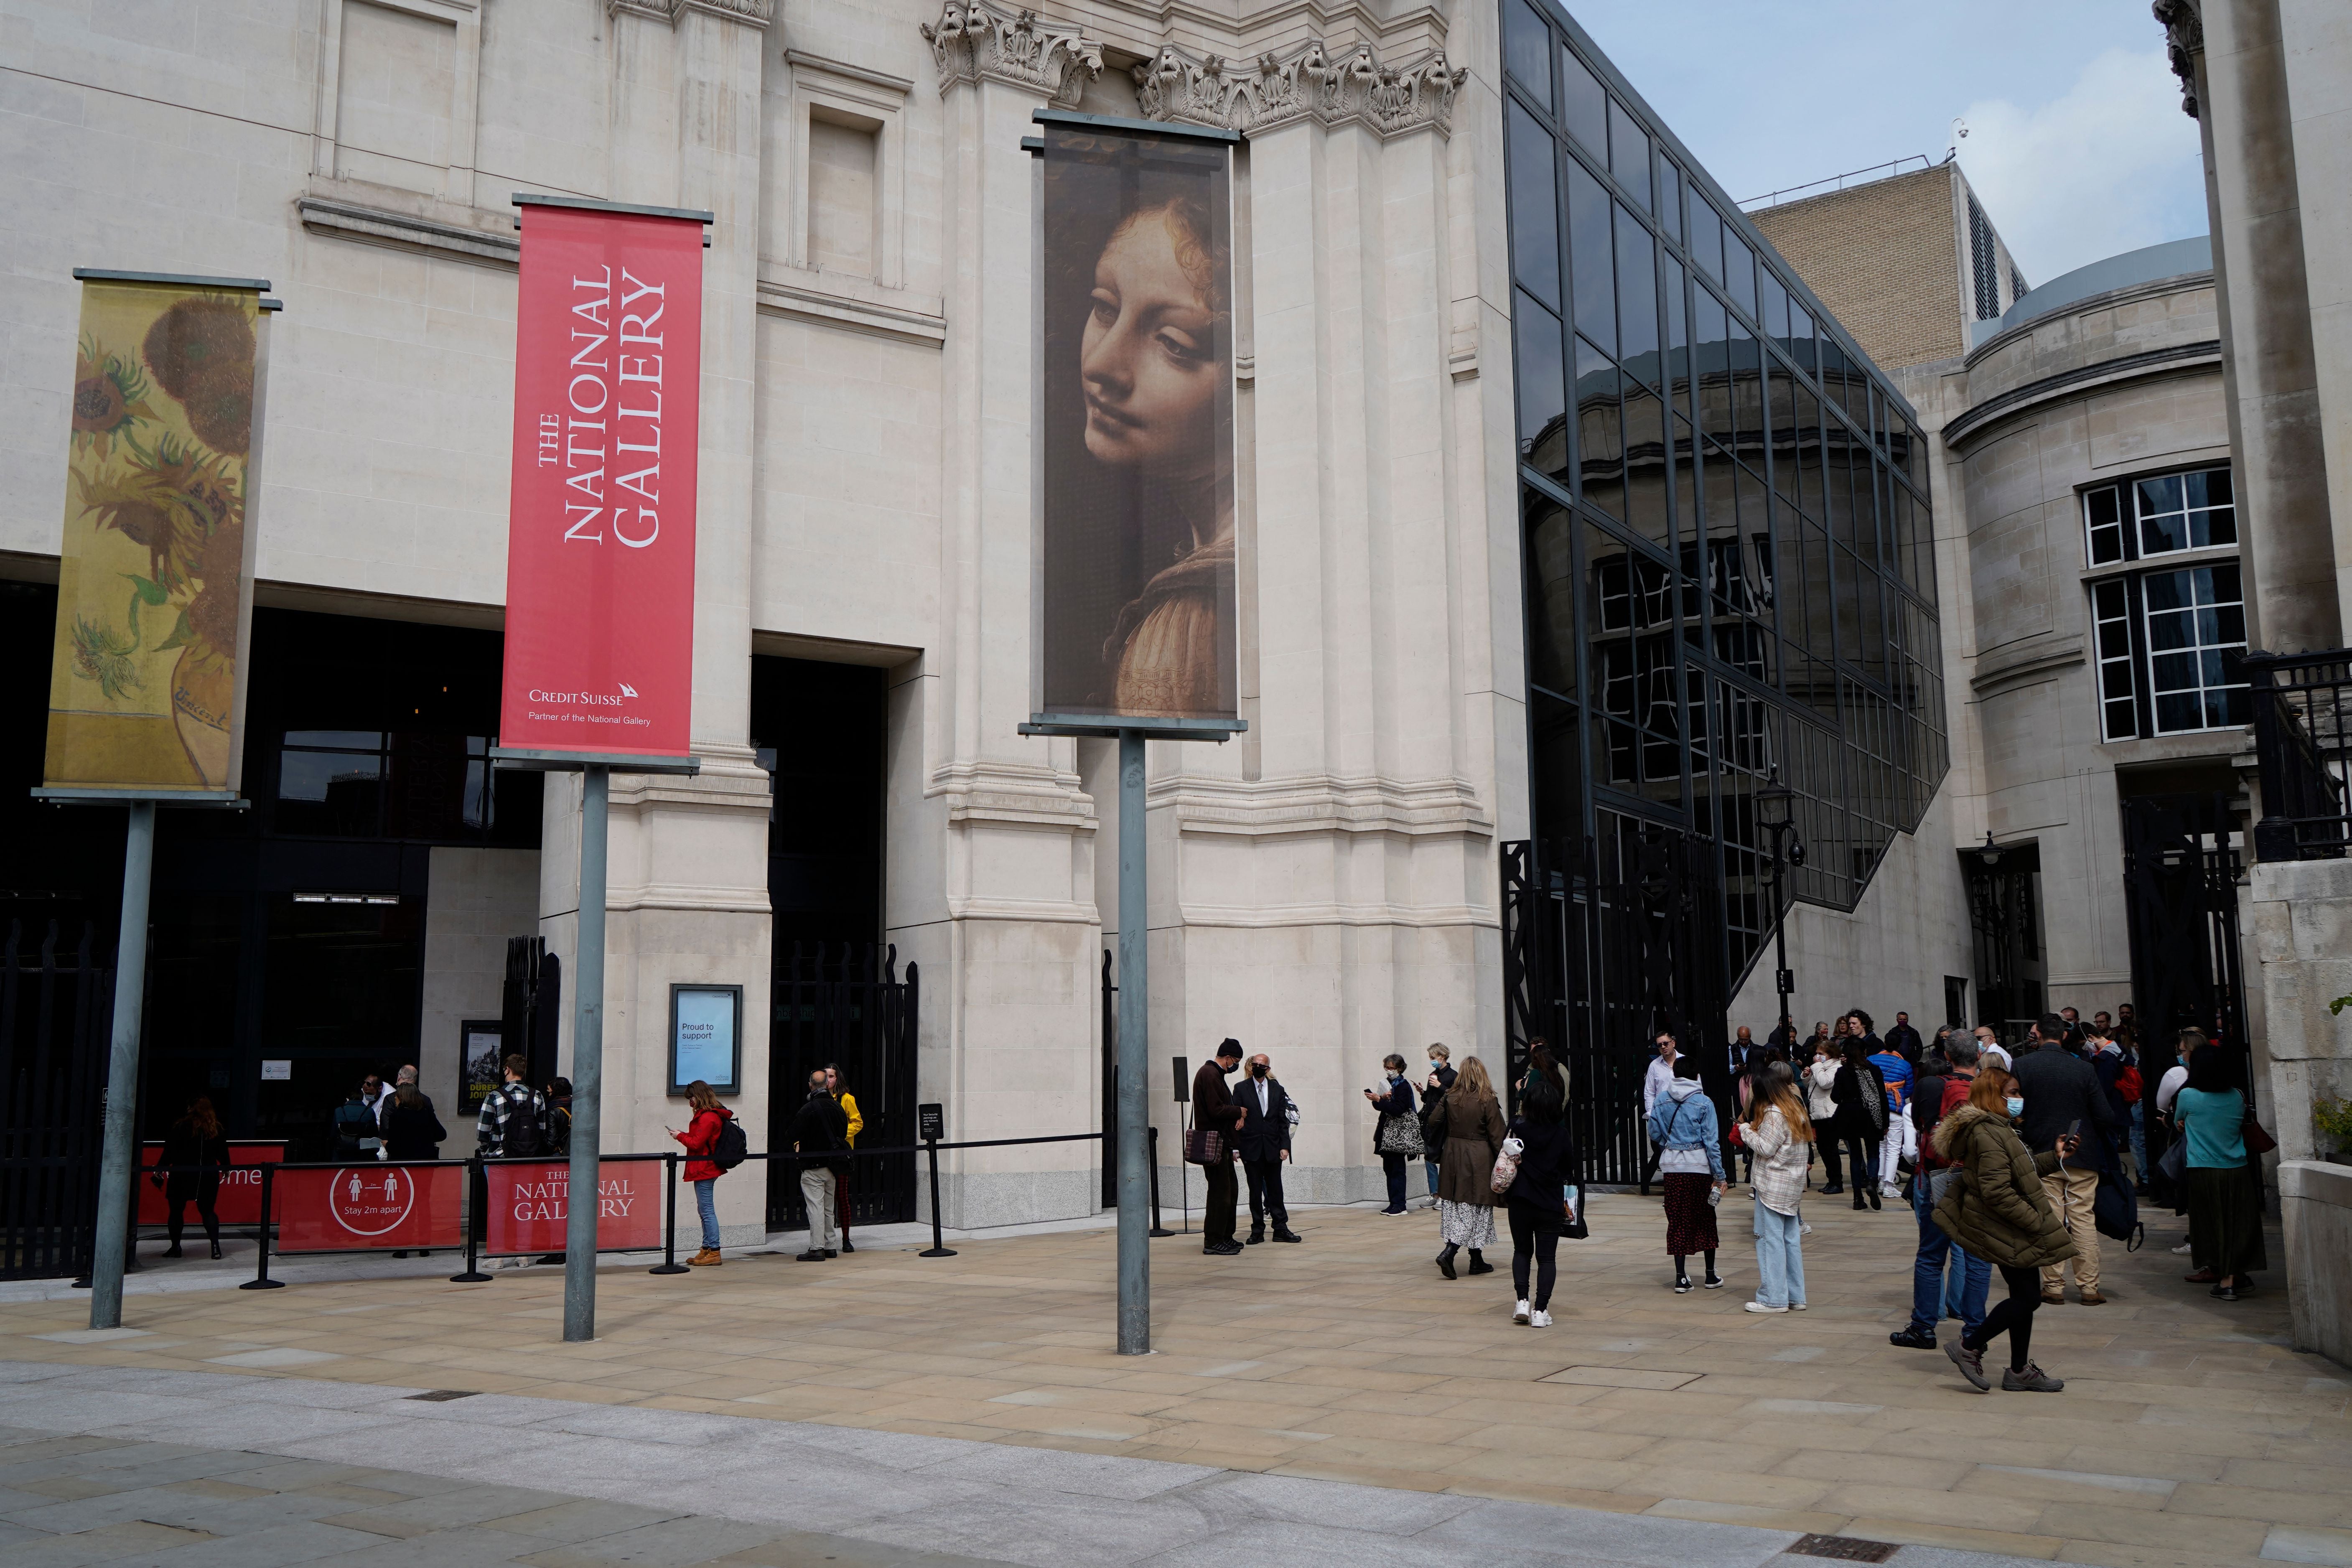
{"x": 121, "y": 1153}
{"x": 261, "y": 1280}
{"x": 669, "y": 1263}
{"x": 587, "y": 1063}
{"x": 1134, "y": 1024}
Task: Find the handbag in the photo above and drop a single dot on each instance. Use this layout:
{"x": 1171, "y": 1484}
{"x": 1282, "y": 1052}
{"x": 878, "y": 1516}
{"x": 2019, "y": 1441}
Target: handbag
{"x": 2257, "y": 1138}
{"x": 1203, "y": 1145}
{"x": 1574, "y": 1229}
{"x": 2173, "y": 1165}
{"x": 1507, "y": 1166}
{"x": 1399, "y": 1133}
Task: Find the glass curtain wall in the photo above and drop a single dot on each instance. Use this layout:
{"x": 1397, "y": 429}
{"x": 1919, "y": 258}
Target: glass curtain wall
{"x": 1727, "y": 550}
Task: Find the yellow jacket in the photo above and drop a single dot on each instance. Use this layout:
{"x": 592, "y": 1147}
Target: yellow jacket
{"x": 849, "y": 1108}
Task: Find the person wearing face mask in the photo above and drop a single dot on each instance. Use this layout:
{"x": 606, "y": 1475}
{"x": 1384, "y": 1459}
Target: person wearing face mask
{"x": 1396, "y": 1137}
{"x": 1214, "y": 1110}
{"x": 1432, "y": 1112}
{"x": 1998, "y": 1211}
{"x": 1263, "y": 1145}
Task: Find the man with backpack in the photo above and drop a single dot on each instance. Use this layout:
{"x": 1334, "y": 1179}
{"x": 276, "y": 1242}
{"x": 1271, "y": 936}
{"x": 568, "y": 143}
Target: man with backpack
{"x": 1931, "y": 1099}
{"x": 513, "y": 1122}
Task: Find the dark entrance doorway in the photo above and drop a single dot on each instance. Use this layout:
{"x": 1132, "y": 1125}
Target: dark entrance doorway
{"x": 2004, "y": 885}
{"x": 2183, "y": 857}
{"x": 837, "y": 995}
{"x": 291, "y": 933}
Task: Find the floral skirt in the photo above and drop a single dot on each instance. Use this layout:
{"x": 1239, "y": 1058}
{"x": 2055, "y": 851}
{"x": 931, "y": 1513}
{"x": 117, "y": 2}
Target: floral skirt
{"x": 1465, "y": 1225}
{"x": 1690, "y": 1218}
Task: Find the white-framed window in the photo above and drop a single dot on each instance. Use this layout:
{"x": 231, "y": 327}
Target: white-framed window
{"x": 2164, "y": 514}
{"x": 2164, "y": 640}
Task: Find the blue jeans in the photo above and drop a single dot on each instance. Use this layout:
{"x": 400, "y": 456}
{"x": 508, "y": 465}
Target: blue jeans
{"x": 1780, "y": 1257}
{"x": 2139, "y": 1141}
{"x": 705, "y": 1204}
{"x": 1432, "y": 1176}
{"x": 1932, "y": 1298}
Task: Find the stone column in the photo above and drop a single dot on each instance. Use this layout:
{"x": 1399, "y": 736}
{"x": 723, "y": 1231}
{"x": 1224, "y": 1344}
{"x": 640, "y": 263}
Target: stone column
{"x": 994, "y": 894}
{"x": 688, "y": 897}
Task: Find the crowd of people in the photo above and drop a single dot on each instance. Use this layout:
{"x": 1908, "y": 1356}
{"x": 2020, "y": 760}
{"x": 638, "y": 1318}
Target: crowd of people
{"x": 2011, "y": 1162}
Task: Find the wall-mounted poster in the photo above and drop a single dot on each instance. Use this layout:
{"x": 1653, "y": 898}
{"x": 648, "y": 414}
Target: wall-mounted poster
{"x": 1134, "y": 588}
{"x": 705, "y": 1038}
{"x": 481, "y": 1051}
{"x": 154, "y": 596}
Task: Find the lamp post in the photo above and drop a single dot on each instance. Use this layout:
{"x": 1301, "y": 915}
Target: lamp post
{"x": 1775, "y": 806}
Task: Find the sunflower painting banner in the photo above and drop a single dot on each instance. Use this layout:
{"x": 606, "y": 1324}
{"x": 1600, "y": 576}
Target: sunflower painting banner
{"x": 146, "y": 685}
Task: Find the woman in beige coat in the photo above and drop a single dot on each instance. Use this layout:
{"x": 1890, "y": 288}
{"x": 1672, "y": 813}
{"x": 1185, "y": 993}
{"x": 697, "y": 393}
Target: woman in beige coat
{"x": 1466, "y": 1181}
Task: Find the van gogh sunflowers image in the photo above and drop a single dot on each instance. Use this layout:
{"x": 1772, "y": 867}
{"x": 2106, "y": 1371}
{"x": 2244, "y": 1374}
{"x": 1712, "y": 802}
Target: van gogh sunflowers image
{"x": 144, "y": 679}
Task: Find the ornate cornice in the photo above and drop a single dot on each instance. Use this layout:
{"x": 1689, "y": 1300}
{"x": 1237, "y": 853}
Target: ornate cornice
{"x": 755, "y": 13}
{"x": 1275, "y": 91}
{"x": 2184, "y": 36}
{"x": 972, "y": 41}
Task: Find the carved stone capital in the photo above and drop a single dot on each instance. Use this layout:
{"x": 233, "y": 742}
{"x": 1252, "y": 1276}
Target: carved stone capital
{"x": 2184, "y": 37}
{"x": 972, "y": 40}
{"x": 1305, "y": 83}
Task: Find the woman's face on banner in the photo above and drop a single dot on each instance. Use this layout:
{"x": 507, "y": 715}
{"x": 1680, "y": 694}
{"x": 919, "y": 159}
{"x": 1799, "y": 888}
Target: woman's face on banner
{"x": 1150, "y": 360}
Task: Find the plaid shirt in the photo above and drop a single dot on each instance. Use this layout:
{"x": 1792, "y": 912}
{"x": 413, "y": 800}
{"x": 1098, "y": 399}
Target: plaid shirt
{"x": 1779, "y": 1173}
{"x": 491, "y": 1128}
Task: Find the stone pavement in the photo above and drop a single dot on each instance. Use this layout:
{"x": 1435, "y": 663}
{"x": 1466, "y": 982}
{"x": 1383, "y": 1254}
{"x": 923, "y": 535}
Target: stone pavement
{"x": 2188, "y": 1432}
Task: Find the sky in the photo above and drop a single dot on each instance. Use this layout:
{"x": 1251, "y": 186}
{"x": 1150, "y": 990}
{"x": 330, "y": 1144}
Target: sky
{"x": 2076, "y": 145}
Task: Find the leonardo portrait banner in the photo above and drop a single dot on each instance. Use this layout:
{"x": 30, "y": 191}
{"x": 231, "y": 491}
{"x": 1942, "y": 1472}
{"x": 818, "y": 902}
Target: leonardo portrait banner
{"x": 1134, "y": 583}
{"x": 154, "y": 575}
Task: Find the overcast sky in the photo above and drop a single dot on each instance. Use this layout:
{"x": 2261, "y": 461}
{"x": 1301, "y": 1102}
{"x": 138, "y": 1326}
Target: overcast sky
{"x": 2077, "y": 145}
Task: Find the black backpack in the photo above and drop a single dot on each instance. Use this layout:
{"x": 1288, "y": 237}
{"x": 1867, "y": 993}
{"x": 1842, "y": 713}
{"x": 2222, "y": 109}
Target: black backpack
{"x": 524, "y": 1137}
{"x": 733, "y": 1148}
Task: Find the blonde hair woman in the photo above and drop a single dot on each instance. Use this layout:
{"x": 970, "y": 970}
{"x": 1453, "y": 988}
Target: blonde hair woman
{"x": 1465, "y": 1183}
{"x": 1779, "y": 1136}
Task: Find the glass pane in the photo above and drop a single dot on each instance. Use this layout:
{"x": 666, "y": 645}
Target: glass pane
{"x": 1677, "y": 339}
{"x": 1670, "y": 198}
{"x": 2209, "y": 527}
{"x": 1584, "y": 108}
{"x": 1711, "y": 365}
{"x": 2175, "y": 711}
{"x": 1645, "y": 469}
{"x": 1589, "y": 245}
{"x": 1800, "y": 339}
{"x": 1542, "y": 385}
{"x": 1746, "y": 398}
{"x": 2162, "y": 532}
{"x": 1599, "y": 433}
{"x": 1629, "y": 153}
{"x": 2107, "y": 599}
{"x": 1706, "y": 234}
{"x": 1551, "y": 595}
{"x": 2172, "y": 629}
{"x": 1527, "y": 49}
{"x": 2115, "y": 679}
{"x": 2160, "y": 495}
{"x": 1784, "y": 430}
{"x": 1739, "y": 271}
{"x": 1637, "y": 297}
{"x": 1776, "y": 309}
{"x": 1535, "y": 206}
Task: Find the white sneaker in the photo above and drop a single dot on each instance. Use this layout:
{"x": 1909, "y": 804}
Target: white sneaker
{"x": 1539, "y": 1320}
{"x": 2182, "y": 1249}
{"x": 1796, "y": 1306}
{"x": 1520, "y": 1314}
{"x": 1760, "y": 1307}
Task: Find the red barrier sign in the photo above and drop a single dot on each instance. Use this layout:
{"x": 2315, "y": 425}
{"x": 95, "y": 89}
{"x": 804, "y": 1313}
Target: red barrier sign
{"x": 531, "y": 1205}
{"x": 239, "y": 1199}
{"x": 370, "y": 1206}
{"x": 600, "y": 537}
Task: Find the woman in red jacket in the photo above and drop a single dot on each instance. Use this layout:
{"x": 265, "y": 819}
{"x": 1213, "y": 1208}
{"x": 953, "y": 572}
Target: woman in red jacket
{"x": 701, "y": 1139}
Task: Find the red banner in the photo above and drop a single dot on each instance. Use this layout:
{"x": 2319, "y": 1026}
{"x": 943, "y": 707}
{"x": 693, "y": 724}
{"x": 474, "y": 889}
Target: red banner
{"x": 531, "y": 1205}
{"x": 369, "y": 1205}
{"x": 600, "y": 540}
{"x": 239, "y": 1200}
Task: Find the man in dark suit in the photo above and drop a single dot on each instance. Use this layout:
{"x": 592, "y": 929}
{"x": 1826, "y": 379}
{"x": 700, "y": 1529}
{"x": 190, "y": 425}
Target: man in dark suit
{"x": 1903, "y": 1039}
{"x": 1264, "y": 1143}
{"x": 1214, "y": 1110}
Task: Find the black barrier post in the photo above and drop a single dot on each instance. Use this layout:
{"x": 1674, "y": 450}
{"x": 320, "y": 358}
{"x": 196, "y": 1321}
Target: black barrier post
{"x": 669, "y": 1263}
{"x": 480, "y": 1187}
{"x": 930, "y": 1121}
{"x": 261, "y": 1281}
{"x": 1156, "y": 1228}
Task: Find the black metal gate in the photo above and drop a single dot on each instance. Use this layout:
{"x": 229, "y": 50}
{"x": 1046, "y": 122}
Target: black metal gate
{"x": 841, "y": 1005}
{"x": 54, "y": 1019}
{"x": 531, "y": 1007}
{"x": 2182, "y": 864}
{"x": 1604, "y": 944}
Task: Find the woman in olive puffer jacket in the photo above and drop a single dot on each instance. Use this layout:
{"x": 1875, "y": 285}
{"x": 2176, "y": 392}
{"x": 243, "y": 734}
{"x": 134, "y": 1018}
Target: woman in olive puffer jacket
{"x": 1997, "y": 1210}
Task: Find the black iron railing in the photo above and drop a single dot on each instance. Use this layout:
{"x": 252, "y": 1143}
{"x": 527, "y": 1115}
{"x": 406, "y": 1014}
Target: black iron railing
{"x": 2303, "y": 744}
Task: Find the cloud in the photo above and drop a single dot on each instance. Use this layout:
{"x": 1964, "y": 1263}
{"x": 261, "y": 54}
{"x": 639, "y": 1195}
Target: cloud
{"x": 2109, "y": 165}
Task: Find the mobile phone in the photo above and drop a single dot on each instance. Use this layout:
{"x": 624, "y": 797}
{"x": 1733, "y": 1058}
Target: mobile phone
{"x": 2075, "y": 1127}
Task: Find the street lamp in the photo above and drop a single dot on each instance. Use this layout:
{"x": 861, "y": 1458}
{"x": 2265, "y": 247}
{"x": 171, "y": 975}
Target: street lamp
{"x": 1775, "y": 805}
{"x": 1989, "y": 853}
